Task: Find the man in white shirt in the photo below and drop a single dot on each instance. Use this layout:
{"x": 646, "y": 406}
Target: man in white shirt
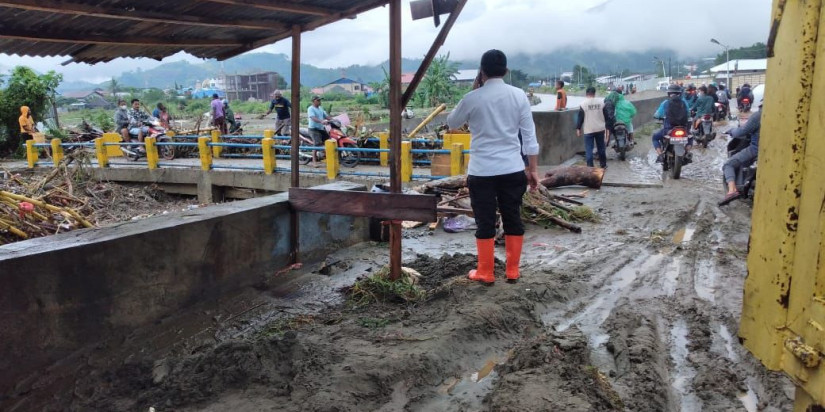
{"x": 497, "y": 177}
{"x": 591, "y": 121}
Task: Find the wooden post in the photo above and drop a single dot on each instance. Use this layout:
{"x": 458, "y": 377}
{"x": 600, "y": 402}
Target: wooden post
{"x": 31, "y": 153}
{"x": 295, "y": 139}
{"x": 383, "y": 144}
{"x": 151, "y": 153}
{"x": 395, "y": 131}
{"x": 57, "y": 151}
{"x": 205, "y": 153}
{"x": 100, "y": 151}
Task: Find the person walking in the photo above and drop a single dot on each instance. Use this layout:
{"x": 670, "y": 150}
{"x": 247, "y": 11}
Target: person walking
{"x": 497, "y": 177}
{"x": 591, "y": 125}
{"x": 561, "y": 96}
{"x": 282, "y": 109}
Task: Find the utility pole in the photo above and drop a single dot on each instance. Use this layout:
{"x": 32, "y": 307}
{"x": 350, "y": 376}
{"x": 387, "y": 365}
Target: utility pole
{"x": 727, "y": 64}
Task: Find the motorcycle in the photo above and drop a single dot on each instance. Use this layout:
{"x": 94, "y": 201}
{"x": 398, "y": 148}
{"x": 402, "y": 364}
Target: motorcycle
{"x": 705, "y": 134}
{"x": 135, "y": 152}
{"x": 746, "y": 175}
{"x": 745, "y": 105}
{"x": 621, "y": 145}
{"x": 337, "y": 133}
{"x": 720, "y": 111}
{"x": 676, "y": 154}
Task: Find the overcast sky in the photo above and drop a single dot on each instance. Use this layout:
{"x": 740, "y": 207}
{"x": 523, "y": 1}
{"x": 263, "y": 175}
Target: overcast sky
{"x": 514, "y": 26}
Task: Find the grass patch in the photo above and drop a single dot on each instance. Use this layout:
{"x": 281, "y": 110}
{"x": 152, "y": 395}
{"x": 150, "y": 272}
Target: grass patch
{"x": 379, "y": 288}
{"x": 283, "y": 325}
{"x": 372, "y": 323}
{"x": 584, "y": 214}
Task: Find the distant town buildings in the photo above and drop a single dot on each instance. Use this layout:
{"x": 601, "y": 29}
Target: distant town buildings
{"x": 88, "y": 99}
{"x": 343, "y": 85}
{"x": 258, "y": 86}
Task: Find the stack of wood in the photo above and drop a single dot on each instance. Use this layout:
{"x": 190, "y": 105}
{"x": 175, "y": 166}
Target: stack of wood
{"x": 42, "y": 207}
{"x": 84, "y": 133}
{"x": 540, "y": 207}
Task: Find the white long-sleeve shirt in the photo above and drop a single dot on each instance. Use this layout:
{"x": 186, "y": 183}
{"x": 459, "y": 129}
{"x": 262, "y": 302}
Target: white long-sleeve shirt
{"x": 496, "y": 113}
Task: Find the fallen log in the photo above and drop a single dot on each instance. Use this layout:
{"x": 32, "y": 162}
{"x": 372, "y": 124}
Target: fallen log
{"x": 449, "y": 183}
{"x": 574, "y": 176}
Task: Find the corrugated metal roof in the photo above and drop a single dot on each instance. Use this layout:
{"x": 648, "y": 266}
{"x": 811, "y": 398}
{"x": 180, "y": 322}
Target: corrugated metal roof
{"x": 741, "y": 64}
{"x": 99, "y": 31}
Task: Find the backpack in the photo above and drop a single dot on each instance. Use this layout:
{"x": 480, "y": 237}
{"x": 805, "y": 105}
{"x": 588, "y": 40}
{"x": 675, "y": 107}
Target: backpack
{"x": 676, "y": 113}
{"x": 722, "y": 96}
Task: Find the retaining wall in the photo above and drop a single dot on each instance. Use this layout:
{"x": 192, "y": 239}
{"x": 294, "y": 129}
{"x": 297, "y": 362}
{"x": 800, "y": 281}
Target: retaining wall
{"x": 65, "y": 292}
{"x": 556, "y": 131}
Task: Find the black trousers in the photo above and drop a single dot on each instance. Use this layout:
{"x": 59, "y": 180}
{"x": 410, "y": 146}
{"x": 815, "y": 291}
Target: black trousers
{"x": 502, "y": 192}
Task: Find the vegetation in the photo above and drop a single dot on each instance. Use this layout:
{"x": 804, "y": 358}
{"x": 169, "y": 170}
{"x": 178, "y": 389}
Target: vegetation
{"x": 24, "y": 87}
{"x": 379, "y": 288}
{"x": 756, "y": 51}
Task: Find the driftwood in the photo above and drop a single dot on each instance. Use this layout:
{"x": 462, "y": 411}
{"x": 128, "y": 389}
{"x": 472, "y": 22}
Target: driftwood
{"x": 452, "y": 183}
{"x": 574, "y": 176}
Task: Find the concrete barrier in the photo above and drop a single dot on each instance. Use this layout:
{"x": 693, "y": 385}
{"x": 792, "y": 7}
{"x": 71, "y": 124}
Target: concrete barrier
{"x": 556, "y": 131}
{"x": 62, "y": 293}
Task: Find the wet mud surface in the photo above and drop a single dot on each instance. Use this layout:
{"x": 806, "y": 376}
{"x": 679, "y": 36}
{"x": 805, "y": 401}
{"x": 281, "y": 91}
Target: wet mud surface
{"x": 637, "y": 313}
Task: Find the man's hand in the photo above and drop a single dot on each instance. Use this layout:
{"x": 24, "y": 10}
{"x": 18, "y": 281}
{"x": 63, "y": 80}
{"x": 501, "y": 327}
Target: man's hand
{"x": 532, "y": 179}
{"x": 578, "y": 132}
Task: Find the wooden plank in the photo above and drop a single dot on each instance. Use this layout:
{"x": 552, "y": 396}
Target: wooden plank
{"x": 388, "y": 206}
{"x": 16, "y": 34}
{"x": 123, "y": 13}
{"x": 289, "y": 7}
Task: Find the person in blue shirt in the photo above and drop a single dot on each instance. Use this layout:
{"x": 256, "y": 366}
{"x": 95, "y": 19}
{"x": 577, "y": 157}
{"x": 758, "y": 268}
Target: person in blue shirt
{"x": 745, "y": 156}
{"x": 674, "y": 92}
{"x": 318, "y": 118}
{"x": 702, "y": 106}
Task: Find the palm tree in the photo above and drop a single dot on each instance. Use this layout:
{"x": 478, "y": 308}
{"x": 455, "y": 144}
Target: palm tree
{"x": 113, "y": 86}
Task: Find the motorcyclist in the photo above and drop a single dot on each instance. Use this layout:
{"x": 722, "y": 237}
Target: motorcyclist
{"x": 674, "y": 92}
{"x": 690, "y": 94}
{"x": 744, "y": 92}
{"x": 622, "y": 111}
{"x": 723, "y": 97}
{"x": 702, "y": 106}
{"x": 137, "y": 121}
{"x": 121, "y": 119}
{"x": 745, "y": 156}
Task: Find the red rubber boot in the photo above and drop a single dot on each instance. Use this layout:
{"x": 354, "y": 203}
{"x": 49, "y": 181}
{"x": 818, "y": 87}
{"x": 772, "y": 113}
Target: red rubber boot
{"x": 512, "y": 245}
{"x": 486, "y": 262}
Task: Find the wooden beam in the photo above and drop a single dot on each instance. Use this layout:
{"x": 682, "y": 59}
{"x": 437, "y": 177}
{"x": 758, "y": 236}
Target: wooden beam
{"x": 387, "y": 206}
{"x": 428, "y": 58}
{"x": 287, "y": 6}
{"x": 122, "y": 13}
{"x": 395, "y": 132}
{"x": 75, "y": 38}
{"x": 295, "y": 118}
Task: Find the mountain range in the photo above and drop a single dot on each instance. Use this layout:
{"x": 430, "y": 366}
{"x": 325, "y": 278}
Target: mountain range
{"x": 541, "y": 65}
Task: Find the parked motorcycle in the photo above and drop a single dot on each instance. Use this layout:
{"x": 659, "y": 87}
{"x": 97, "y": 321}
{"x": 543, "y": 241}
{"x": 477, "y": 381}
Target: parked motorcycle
{"x": 136, "y": 152}
{"x": 676, "y": 154}
{"x": 621, "y": 145}
{"x": 705, "y": 134}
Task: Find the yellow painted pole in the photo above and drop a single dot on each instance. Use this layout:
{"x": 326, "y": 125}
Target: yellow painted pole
{"x": 456, "y": 159}
{"x": 332, "y": 159}
{"x": 428, "y": 119}
{"x": 100, "y": 151}
{"x": 216, "y": 138}
{"x": 57, "y": 151}
{"x": 31, "y": 153}
{"x": 406, "y": 161}
{"x": 269, "y": 155}
{"x": 151, "y": 153}
{"x": 205, "y": 153}
{"x": 384, "y": 144}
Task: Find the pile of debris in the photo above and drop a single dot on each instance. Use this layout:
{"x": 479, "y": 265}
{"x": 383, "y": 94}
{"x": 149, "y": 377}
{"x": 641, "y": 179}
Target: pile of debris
{"x": 67, "y": 198}
{"x": 541, "y": 207}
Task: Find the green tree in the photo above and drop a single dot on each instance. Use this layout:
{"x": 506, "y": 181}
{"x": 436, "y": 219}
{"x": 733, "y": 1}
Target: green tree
{"x": 24, "y": 87}
{"x": 517, "y": 78}
{"x": 582, "y": 75}
{"x": 114, "y": 87}
{"x": 755, "y": 51}
{"x": 438, "y": 85}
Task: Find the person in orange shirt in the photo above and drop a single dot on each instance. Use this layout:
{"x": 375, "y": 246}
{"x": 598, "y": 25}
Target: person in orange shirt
{"x": 561, "y": 96}
{"x": 26, "y": 123}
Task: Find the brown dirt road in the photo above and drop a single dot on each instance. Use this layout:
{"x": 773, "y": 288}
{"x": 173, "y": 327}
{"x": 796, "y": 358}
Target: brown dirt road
{"x": 638, "y": 313}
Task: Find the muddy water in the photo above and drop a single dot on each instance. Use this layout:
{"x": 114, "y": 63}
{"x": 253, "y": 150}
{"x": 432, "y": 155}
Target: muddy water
{"x": 640, "y": 310}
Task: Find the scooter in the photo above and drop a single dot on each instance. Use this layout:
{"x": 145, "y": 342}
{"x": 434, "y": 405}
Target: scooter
{"x": 720, "y": 111}
{"x": 676, "y": 154}
{"x": 135, "y": 152}
{"x": 746, "y": 175}
{"x": 705, "y": 134}
{"x": 621, "y": 145}
{"x": 336, "y": 132}
{"x": 745, "y": 105}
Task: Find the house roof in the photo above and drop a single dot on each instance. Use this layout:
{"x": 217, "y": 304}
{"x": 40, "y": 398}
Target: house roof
{"x": 93, "y": 31}
{"x": 79, "y": 94}
{"x": 466, "y": 75}
{"x": 741, "y": 64}
{"x": 344, "y": 80}
{"x": 407, "y": 78}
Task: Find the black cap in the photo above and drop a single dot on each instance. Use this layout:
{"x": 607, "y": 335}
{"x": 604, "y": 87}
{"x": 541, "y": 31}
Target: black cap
{"x": 316, "y": 97}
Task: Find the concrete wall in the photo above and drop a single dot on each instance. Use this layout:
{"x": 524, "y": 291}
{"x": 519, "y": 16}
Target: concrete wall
{"x": 556, "y": 131}
{"x": 62, "y": 293}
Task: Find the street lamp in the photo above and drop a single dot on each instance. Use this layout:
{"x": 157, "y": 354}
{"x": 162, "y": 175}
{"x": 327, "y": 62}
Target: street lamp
{"x": 727, "y": 63}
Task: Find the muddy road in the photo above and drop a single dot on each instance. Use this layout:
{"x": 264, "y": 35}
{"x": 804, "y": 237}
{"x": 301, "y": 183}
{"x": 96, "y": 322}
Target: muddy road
{"x": 637, "y": 313}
